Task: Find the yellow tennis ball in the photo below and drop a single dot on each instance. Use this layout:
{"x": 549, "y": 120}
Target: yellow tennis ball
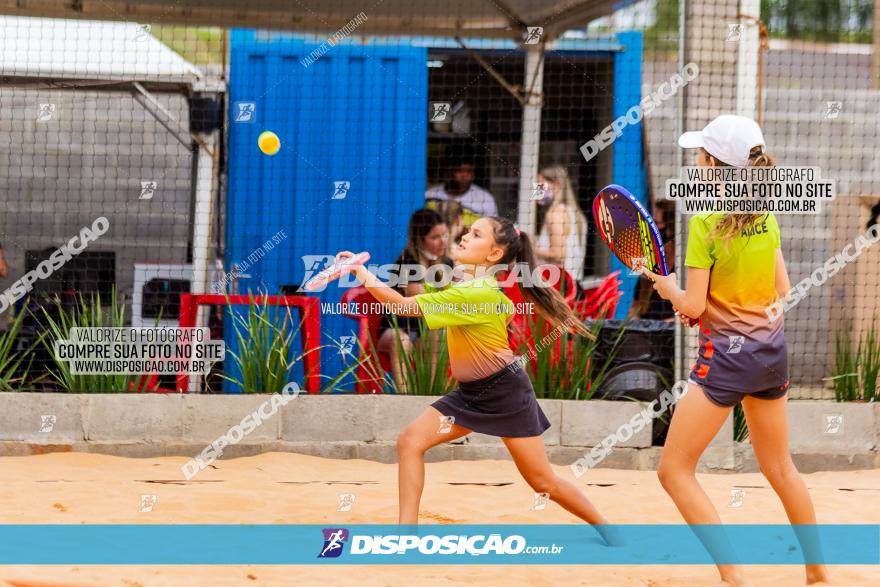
{"x": 269, "y": 142}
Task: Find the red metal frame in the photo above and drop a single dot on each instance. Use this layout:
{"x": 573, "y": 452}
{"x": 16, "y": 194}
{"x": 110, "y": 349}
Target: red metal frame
{"x": 371, "y": 371}
{"x": 309, "y": 313}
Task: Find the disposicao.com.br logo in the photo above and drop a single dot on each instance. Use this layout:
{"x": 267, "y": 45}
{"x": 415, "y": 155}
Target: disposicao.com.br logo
{"x": 454, "y": 544}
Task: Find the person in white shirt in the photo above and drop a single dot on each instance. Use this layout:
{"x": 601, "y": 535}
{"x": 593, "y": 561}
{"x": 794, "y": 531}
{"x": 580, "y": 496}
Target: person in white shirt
{"x": 563, "y": 237}
{"x": 476, "y": 201}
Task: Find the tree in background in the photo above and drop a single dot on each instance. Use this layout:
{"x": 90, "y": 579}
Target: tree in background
{"x": 837, "y": 21}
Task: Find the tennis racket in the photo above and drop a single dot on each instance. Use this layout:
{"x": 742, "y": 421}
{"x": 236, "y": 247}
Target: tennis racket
{"x": 628, "y": 230}
{"x": 334, "y": 270}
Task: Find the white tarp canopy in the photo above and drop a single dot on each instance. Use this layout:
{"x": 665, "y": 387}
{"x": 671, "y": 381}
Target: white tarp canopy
{"x": 65, "y": 49}
{"x": 466, "y": 18}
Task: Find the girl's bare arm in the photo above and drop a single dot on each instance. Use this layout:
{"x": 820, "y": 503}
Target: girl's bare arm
{"x": 690, "y": 301}
{"x": 396, "y": 303}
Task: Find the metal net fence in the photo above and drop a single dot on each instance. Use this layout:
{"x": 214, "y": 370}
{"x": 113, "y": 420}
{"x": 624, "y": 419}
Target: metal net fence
{"x": 178, "y": 148}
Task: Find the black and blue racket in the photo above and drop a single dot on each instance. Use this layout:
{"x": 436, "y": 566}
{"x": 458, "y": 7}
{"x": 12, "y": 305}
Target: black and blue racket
{"x": 628, "y": 230}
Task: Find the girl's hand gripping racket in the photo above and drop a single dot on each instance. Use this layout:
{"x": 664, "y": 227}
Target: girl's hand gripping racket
{"x": 628, "y": 230}
{"x": 335, "y": 269}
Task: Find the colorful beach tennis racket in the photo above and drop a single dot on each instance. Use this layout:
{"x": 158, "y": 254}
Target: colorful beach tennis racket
{"x": 628, "y": 230}
{"x": 334, "y": 270}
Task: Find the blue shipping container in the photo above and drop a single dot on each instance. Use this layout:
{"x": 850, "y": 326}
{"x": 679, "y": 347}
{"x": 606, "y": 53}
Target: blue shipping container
{"x": 355, "y": 114}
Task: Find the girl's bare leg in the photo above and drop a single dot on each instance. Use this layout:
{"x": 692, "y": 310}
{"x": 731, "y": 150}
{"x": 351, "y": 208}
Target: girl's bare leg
{"x": 422, "y": 434}
{"x": 387, "y": 344}
{"x": 768, "y": 430}
{"x": 531, "y": 460}
{"x": 695, "y": 423}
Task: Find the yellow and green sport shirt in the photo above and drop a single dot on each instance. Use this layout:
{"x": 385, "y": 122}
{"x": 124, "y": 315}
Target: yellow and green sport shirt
{"x": 475, "y": 314}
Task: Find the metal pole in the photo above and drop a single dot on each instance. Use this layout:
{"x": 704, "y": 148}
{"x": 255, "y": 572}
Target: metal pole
{"x": 204, "y": 191}
{"x": 679, "y": 221}
{"x": 530, "y": 141}
{"x": 747, "y": 60}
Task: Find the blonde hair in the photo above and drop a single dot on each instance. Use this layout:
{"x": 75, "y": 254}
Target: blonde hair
{"x": 452, "y": 213}
{"x": 731, "y": 225}
{"x": 566, "y": 197}
{"x": 450, "y": 210}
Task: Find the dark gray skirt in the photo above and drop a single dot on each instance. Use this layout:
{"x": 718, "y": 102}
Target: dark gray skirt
{"x": 502, "y": 404}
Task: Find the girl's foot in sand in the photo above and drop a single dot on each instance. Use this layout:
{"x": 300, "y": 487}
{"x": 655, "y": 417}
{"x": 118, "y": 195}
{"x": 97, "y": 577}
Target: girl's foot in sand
{"x": 816, "y": 575}
{"x": 732, "y": 576}
{"x": 609, "y": 534}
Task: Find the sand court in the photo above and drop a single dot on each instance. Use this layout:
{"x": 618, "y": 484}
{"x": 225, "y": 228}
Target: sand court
{"x": 284, "y": 488}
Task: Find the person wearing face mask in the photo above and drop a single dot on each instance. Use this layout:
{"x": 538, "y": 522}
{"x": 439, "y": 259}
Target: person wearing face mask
{"x": 428, "y": 236}
{"x": 563, "y": 237}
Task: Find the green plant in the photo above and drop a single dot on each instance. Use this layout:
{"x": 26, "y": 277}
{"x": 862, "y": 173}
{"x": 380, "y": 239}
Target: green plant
{"x": 565, "y": 365}
{"x": 266, "y": 352}
{"x": 740, "y": 426}
{"x": 198, "y": 45}
{"x": 87, "y": 312}
{"x": 12, "y": 372}
{"x": 425, "y": 369}
{"x": 845, "y": 376}
{"x": 869, "y": 363}
{"x": 662, "y": 35}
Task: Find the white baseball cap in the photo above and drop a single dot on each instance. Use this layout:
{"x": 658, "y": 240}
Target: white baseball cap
{"x": 728, "y": 138}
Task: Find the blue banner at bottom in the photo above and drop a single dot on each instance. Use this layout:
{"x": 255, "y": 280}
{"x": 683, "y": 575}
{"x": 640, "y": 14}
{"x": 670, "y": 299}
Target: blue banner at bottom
{"x": 560, "y": 544}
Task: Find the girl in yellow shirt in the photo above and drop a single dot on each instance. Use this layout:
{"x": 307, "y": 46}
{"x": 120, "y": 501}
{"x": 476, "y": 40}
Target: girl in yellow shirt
{"x": 495, "y": 395}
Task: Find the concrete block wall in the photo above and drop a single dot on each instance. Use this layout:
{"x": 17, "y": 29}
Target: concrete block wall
{"x": 823, "y": 435}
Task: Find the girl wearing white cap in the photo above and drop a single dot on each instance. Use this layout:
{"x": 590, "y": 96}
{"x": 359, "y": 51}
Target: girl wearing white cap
{"x": 735, "y": 271}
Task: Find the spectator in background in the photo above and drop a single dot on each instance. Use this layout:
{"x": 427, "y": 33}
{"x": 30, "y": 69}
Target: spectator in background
{"x": 563, "y": 237}
{"x": 460, "y": 188}
{"x": 453, "y": 215}
{"x": 427, "y": 239}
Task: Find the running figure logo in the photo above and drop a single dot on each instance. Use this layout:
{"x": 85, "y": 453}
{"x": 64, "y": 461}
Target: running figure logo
{"x": 538, "y": 192}
{"x": 541, "y": 500}
{"x": 637, "y": 263}
{"x": 736, "y": 498}
{"x": 148, "y": 189}
{"x": 46, "y": 112}
{"x": 342, "y": 188}
{"x": 346, "y": 345}
{"x": 734, "y": 32}
{"x": 143, "y": 32}
{"x": 334, "y": 540}
{"x": 245, "y": 111}
{"x": 47, "y": 423}
{"x": 346, "y": 501}
{"x": 440, "y": 111}
{"x": 736, "y": 344}
{"x": 833, "y": 424}
{"x": 446, "y": 423}
{"x": 314, "y": 264}
{"x": 832, "y": 109}
{"x": 533, "y": 35}
{"x": 147, "y": 503}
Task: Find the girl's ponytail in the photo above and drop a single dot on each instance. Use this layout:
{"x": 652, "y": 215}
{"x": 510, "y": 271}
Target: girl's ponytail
{"x": 732, "y": 225}
{"x": 551, "y": 305}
